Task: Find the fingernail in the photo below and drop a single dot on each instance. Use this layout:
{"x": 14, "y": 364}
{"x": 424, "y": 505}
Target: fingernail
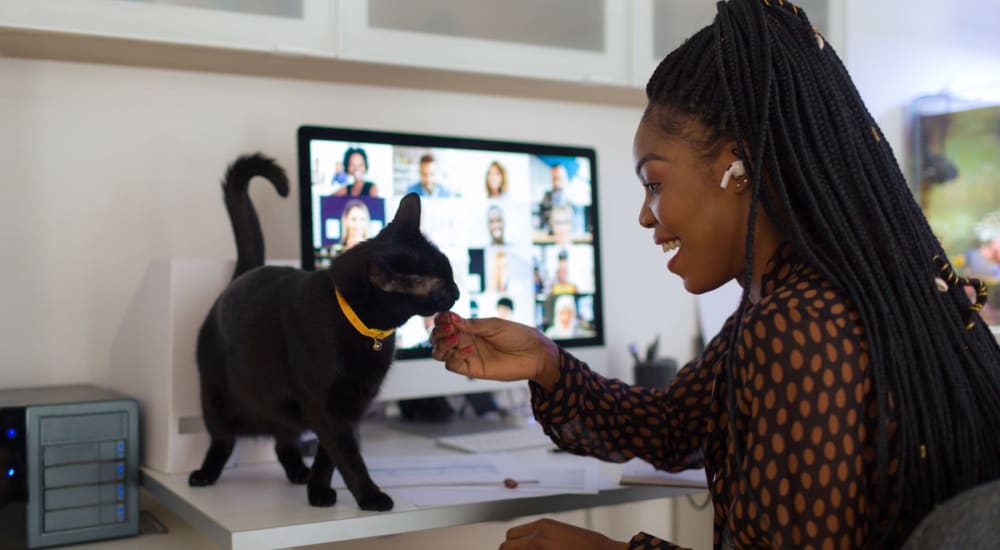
{"x": 447, "y": 328}
{"x": 466, "y": 348}
{"x": 451, "y": 339}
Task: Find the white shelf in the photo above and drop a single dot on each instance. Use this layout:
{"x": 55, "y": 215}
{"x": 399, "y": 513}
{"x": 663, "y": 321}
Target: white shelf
{"x": 253, "y": 506}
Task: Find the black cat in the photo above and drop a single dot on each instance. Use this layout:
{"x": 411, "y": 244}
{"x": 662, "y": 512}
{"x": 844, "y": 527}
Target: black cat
{"x": 279, "y": 352}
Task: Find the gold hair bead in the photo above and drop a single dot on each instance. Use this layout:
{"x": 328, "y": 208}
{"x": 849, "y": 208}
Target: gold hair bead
{"x": 875, "y": 133}
{"x": 820, "y": 42}
{"x": 923, "y": 451}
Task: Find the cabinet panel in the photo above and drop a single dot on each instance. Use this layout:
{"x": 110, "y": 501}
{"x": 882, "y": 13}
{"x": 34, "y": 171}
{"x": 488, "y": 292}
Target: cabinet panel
{"x": 292, "y": 26}
{"x": 573, "y": 40}
{"x": 659, "y": 26}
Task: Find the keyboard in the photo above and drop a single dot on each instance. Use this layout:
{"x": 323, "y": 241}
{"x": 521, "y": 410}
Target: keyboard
{"x": 514, "y": 439}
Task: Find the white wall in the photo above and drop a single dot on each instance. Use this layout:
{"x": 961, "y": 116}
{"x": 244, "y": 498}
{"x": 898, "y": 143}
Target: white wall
{"x": 107, "y": 167}
{"x": 900, "y": 49}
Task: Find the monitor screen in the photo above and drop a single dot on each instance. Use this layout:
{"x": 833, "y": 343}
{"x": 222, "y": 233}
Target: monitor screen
{"x": 517, "y": 220}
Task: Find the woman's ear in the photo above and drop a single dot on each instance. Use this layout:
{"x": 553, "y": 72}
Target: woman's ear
{"x": 736, "y": 170}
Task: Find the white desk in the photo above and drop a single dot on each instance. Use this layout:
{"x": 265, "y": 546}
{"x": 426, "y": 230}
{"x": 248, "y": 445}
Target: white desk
{"x": 254, "y": 506}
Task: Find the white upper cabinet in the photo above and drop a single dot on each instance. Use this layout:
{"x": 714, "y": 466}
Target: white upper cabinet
{"x": 567, "y": 40}
{"x": 292, "y": 26}
{"x": 613, "y": 43}
{"x": 659, "y": 26}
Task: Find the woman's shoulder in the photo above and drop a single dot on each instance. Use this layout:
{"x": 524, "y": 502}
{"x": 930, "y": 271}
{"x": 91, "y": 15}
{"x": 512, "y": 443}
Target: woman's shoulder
{"x": 804, "y": 307}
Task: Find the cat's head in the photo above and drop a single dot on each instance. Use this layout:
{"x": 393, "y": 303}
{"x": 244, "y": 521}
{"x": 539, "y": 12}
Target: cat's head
{"x": 406, "y": 274}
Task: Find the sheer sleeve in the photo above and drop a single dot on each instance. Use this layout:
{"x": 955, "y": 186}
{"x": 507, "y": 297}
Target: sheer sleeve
{"x": 645, "y": 541}
{"x": 587, "y": 414}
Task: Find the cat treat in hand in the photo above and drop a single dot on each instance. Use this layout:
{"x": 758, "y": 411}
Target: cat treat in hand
{"x": 284, "y": 351}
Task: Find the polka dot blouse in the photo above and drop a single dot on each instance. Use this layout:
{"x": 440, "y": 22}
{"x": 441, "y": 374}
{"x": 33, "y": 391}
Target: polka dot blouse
{"x": 805, "y": 419}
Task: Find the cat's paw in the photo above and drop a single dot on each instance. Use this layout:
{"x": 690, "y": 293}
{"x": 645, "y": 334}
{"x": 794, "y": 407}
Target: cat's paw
{"x": 200, "y": 478}
{"x": 377, "y": 502}
{"x": 322, "y": 496}
{"x": 297, "y": 474}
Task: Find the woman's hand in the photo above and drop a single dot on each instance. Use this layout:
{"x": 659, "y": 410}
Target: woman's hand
{"x": 494, "y": 349}
{"x": 549, "y": 534}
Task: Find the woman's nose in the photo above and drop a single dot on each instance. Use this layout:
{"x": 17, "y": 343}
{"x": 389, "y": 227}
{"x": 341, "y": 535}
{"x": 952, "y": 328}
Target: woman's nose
{"x": 646, "y": 218}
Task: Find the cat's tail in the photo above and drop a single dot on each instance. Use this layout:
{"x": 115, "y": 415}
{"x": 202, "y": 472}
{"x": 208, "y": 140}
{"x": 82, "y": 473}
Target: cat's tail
{"x": 246, "y": 226}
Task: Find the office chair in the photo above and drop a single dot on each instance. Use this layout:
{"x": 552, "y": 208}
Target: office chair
{"x": 969, "y": 520}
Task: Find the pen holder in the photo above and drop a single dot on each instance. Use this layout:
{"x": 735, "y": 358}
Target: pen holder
{"x": 655, "y": 374}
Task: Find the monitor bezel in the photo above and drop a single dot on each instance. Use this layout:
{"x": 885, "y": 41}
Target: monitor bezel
{"x": 308, "y": 133}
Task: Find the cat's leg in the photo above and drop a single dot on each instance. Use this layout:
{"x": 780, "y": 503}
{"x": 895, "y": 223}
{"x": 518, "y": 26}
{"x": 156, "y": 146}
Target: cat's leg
{"x": 215, "y": 459}
{"x": 347, "y": 457}
{"x": 318, "y": 488}
{"x": 287, "y": 448}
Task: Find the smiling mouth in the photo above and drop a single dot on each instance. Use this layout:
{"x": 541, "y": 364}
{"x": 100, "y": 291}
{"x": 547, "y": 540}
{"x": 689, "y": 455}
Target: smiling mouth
{"x": 670, "y": 246}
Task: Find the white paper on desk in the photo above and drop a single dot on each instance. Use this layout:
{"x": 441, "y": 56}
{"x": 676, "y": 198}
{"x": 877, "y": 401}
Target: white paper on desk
{"x": 411, "y": 471}
{"x": 578, "y": 478}
{"x": 456, "y": 479}
{"x": 447, "y": 496}
{"x": 639, "y": 472}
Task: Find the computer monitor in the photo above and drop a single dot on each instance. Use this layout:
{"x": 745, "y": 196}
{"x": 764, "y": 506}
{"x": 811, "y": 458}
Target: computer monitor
{"x": 517, "y": 220}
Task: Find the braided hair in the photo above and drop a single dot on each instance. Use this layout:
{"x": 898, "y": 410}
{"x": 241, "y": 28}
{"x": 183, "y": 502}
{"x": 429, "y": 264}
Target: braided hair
{"x": 760, "y": 76}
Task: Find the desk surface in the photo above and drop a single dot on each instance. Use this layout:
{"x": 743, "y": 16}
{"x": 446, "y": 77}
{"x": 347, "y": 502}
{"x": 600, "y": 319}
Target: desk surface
{"x": 254, "y": 506}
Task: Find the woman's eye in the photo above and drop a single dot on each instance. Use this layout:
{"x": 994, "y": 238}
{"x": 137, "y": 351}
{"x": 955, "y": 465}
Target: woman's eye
{"x": 651, "y": 186}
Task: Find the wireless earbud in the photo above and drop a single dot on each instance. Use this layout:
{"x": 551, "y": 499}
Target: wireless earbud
{"x": 735, "y": 169}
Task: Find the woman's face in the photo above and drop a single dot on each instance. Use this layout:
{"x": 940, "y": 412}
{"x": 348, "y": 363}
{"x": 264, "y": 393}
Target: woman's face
{"x": 684, "y": 205}
{"x": 356, "y": 226}
{"x": 494, "y": 179}
{"x": 356, "y": 166}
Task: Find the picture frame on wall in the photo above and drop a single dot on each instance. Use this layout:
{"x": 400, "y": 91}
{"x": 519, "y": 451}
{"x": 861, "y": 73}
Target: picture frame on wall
{"x": 954, "y": 172}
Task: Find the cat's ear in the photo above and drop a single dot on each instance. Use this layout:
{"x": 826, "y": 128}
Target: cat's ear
{"x": 408, "y": 213}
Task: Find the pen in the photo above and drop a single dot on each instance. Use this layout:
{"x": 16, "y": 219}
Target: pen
{"x": 508, "y": 482}
{"x": 634, "y": 350}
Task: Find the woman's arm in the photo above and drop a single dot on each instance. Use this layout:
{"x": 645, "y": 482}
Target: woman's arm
{"x": 588, "y": 414}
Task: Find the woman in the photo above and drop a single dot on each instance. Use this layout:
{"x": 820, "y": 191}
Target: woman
{"x": 496, "y": 180}
{"x": 355, "y": 223}
{"x": 356, "y": 166}
{"x": 854, "y": 387}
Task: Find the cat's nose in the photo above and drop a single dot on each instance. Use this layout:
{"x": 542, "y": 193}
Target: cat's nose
{"x": 447, "y": 298}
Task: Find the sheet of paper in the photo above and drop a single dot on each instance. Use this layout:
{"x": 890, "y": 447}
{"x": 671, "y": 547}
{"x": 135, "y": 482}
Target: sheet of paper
{"x": 638, "y": 472}
{"x": 437, "y": 480}
{"x": 447, "y": 496}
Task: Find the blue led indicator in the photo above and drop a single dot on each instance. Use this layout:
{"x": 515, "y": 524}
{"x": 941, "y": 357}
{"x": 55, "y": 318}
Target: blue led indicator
{"x": 11, "y": 433}
{"x": 10, "y": 472}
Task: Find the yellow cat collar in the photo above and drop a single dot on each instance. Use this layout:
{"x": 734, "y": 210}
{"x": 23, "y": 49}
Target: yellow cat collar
{"x": 377, "y": 335}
